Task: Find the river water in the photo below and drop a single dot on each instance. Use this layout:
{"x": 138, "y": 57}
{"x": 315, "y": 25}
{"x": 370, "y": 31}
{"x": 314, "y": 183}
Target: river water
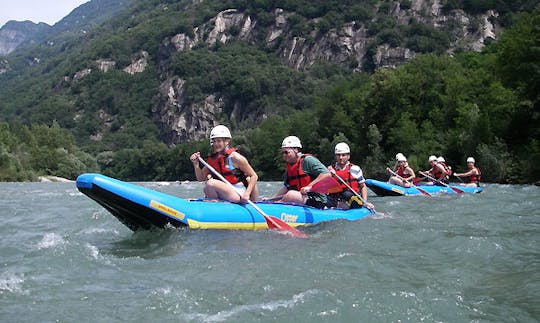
{"x": 466, "y": 258}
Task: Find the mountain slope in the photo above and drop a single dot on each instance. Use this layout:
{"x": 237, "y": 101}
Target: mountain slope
{"x": 183, "y": 66}
{"x": 15, "y": 33}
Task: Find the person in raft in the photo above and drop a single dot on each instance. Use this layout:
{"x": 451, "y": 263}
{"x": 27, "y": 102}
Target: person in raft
{"x": 405, "y": 172}
{"x": 352, "y": 175}
{"x": 473, "y": 175}
{"x": 447, "y": 168}
{"x": 301, "y": 172}
{"x": 436, "y": 171}
{"x": 231, "y": 165}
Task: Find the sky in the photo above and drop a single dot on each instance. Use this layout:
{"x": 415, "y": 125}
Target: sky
{"x": 48, "y": 11}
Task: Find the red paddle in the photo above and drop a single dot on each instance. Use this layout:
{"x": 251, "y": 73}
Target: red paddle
{"x": 327, "y": 185}
{"x": 271, "y": 221}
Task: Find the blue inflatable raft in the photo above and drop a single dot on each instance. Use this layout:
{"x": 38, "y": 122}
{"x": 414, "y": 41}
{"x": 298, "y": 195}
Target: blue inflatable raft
{"x": 387, "y": 189}
{"x": 142, "y": 208}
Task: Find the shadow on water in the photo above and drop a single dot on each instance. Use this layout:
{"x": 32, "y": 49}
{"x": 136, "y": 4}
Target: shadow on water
{"x": 147, "y": 244}
{"x": 170, "y": 242}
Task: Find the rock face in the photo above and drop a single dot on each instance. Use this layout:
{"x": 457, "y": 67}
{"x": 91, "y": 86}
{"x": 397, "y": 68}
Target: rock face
{"x": 346, "y": 45}
{"x": 105, "y": 65}
{"x": 4, "y": 66}
{"x": 138, "y": 64}
{"x": 181, "y": 122}
{"x": 14, "y": 33}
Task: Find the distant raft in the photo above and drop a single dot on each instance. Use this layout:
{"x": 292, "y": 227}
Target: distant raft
{"x": 140, "y": 208}
{"x": 387, "y": 189}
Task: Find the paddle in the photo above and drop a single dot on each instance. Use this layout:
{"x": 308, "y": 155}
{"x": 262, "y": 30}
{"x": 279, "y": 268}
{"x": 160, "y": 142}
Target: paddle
{"x": 327, "y": 185}
{"x": 330, "y": 185}
{"x": 271, "y": 221}
{"x": 270, "y": 199}
{"x": 455, "y": 189}
{"x": 352, "y": 190}
{"x": 410, "y": 182}
{"x": 459, "y": 178}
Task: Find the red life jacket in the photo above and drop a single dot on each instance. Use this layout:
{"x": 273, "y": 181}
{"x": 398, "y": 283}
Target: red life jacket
{"x": 475, "y": 178}
{"x": 296, "y": 177}
{"x": 446, "y": 169}
{"x": 345, "y": 175}
{"x": 438, "y": 174}
{"x": 402, "y": 171}
{"x": 226, "y": 169}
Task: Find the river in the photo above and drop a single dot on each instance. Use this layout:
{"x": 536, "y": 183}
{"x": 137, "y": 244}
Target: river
{"x": 455, "y": 258}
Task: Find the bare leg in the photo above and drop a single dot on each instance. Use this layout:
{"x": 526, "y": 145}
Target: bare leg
{"x": 294, "y": 197}
{"x": 254, "y": 193}
{"x": 220, "y": 190}
{"x": 398, "y": 181}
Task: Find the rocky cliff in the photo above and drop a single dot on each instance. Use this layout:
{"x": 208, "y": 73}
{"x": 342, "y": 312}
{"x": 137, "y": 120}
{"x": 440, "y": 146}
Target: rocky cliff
{"x": 348, "y": 45}
{"x": 14, "y": 33}
{"x": 149, "y": 35}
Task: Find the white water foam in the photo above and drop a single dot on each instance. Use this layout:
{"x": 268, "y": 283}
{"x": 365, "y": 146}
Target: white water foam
{"x": 100, "y": 230}
{"x": 343, "y": 255}
{"x": 94, "y": 251}
{"x": 11, "y": 283}
{"x": 50, "y": 240}
{"x": 270, "y": 306}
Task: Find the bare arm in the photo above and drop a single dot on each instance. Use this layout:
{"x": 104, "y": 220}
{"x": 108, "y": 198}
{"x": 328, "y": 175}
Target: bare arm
{"x": 363, "y": 190}
{"x": 441, "y": 170}
{"x": 411, "y": 173}
{"x": 469, "y": 173}
{"x": 242, "y": 163}
{"x": 200, "y": 174}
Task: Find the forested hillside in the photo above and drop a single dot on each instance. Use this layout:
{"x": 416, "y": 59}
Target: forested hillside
{"x": 133, "y": 97}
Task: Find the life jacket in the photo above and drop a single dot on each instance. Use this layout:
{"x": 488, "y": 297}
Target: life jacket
{"x": 446, "y": 169}
{"x": 402, "y": 171}
{"x": 223, "y": 164}
{"x": 438, "y": 174}
{"x": 475, "y": 178}
{"x": 345, "y": 175}
{"x": 296, "y": 177}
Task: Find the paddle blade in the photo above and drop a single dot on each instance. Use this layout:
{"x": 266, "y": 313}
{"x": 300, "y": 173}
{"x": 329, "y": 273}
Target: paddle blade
{"x": 328, "y": 185}
{"x": 457, "y": 190}
{"x": 422, "y": 191}
{"x": 417, "y": 180}
{"x": 277, "y": 224}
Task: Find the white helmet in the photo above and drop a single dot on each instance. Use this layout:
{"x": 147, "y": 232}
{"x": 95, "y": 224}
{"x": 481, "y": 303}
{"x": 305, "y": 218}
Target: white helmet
{"x": 440, "y": 159}
{"x": 291, "y": 142}
{"x": 401, "y": 157}
{"x": 220, "y": 132}
{"x": 342, "y": 148}
{"x": 470, "y": 160}
{"x": 432, "y": 158}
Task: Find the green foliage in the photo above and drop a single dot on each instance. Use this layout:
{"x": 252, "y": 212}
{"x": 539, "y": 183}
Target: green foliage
{"x": 481, "y": 104}
{"x": 480, "y": 6}
{"x": 40, "y": 150}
